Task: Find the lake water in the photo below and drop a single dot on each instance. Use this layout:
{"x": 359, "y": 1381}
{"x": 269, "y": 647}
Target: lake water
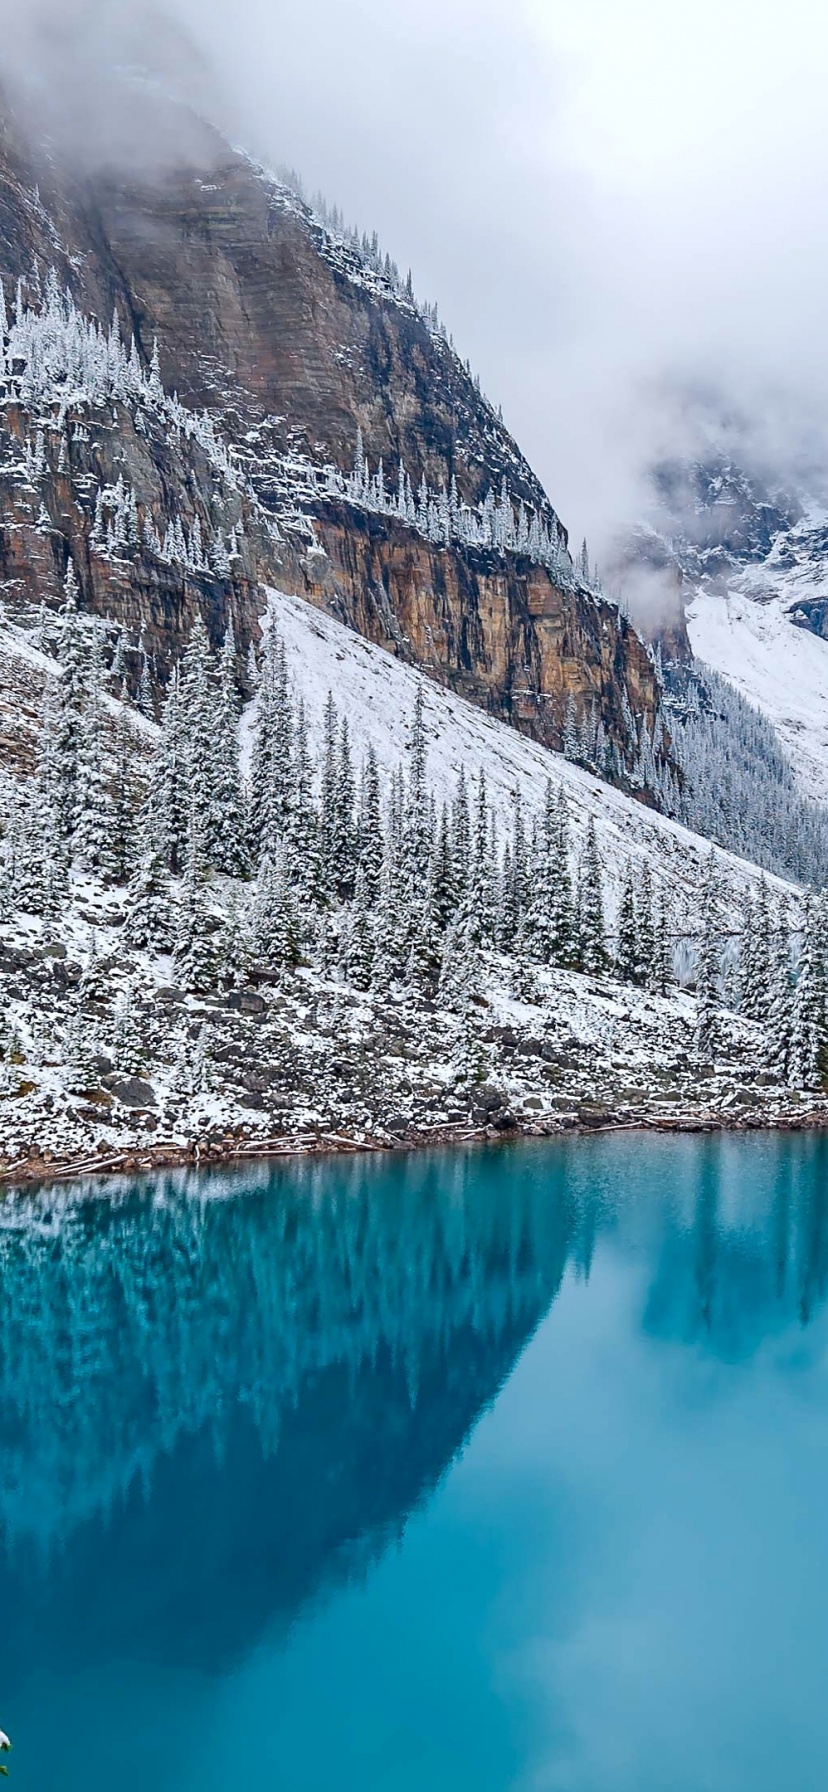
{"x": 489, "y": 1470}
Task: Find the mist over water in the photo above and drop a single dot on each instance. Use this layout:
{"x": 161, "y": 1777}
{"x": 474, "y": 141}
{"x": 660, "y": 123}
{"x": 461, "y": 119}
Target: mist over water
{"x": 507, "y": 1462}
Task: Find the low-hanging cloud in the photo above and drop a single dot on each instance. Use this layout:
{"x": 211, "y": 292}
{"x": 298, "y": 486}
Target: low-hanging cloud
{"x": 618, "y": 217}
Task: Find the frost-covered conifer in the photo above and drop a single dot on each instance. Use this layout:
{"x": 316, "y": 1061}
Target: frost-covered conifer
{"x": 661, "y": 967}
{"x": 68, "y": 707}
{"x": 271, "y": 758}
{"x": 198, "y": 712}
{"x": 806, "y": 1062}
{"x": 170, "y": 780}
{"x": 707, "y": 975}
{"x": 627, "y": 940}
{"x": 459, "y": 970}
{"x": 592, "y": 945}
{"x": 275, "y": 925}
{"x": 148, "y": 919}
{"x": 228, "y": 817}
{"x": 194, "y": 954}
{"x": 369, "y": 831}
{"x": 145, "y": 699}
{"x": 80, "y": 1053}
{"x": 359, "y": 943}
{"x": 645, "y": 913}
{"x": 781, "y": 1014}
{"x": 128, "y": 1048}
{"x": 93, "y": 842}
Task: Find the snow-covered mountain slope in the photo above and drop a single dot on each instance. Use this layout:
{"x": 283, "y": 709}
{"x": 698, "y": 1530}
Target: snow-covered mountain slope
{"x": 377, "y": 693}
{"x": 758, "y": 630}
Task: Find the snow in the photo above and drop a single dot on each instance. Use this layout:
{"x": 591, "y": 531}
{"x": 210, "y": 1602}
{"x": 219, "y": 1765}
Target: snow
{"x": 377, "y": 691}
{"x": 777, "y": 665}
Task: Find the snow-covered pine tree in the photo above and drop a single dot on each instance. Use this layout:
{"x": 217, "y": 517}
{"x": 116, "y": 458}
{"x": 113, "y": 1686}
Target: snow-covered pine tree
{"x": 359, "y": 942}
{"x": 661, "y": 969}
{"x": 303, "y": 825}
{"x": 592, "y": 945}
{"x": 645, "y": 911}
{"x": 461, "y": 835}
{"x": 194, "y": 955}
{"x": 570, "y": 730}
{"x": 807, "y": 1052}
{"x": 272, "y": 752}
{"x": 234, "y": 944}
{"x": 128, "y": 1050}
{"x": 92, "y": 841}
{"x": 274, "y": 922}
{"x": 707, "y": 974}
{"x": 124, "y": 794}
{"x": 460, "y": 969}
{"x": 198, "y": 712}
{"x": 563, "y": 941}
{"x": 148, "y": 915}
{"x": 228, "y": 819}
{"x": 344, "y": 843}
{"x": 369, "y": 831}
{"x": 749, "y": 997}
{"x": 781, "y": 1013}
{"x": 145, "y": 699}
{"x": 170, "y": 780}
{"x": 627, "y": 942}
{"x": 68, "y": 706}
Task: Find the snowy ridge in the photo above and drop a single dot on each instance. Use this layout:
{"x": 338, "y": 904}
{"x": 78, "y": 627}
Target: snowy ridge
{"x": 749, "y": 635}
{"x": 377, "y": 693}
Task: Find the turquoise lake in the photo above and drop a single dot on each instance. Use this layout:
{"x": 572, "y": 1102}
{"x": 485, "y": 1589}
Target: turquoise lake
{"x": 485, "y": 1470}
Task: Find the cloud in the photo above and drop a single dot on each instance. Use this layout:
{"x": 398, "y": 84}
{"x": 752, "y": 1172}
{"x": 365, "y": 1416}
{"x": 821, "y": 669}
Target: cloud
{"x": 617, "y": 209}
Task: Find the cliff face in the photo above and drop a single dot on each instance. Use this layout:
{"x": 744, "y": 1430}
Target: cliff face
{"x": 294, "y": 343}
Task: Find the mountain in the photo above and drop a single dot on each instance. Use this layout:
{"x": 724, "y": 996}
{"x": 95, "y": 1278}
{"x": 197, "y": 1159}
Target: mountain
{"x": 264, "y": 885}
{"x": 327, "y": 385}
{"x": 739, "y": 561}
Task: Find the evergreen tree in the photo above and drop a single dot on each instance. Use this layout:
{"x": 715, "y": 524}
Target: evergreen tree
{"x": 707, "y": 975}
{"x": 148, "y": 917}
{"x": 93, "y": 841}
{"x": 68, "y": 708}
{"x": 417, "y": 829}
{"x": 275, "y": 927}
{"x": 370, "y": 840}
{"x": 661, "y": 969}
{"x": 198, "y": 712}
{"x": 127, "y": 1044}
{"x": 781, "y": 1015}
{"x": 359, "y": 954}
{"x": 806, "y": 1063}
{"x": 170, "y": 781}
{"x": 228, "y": 820}
{"x": 194, "y": 956}
{"x": 124, "y": 801}
{"x": 271, "y": 759}
{"x": 627, "y": 945}
{"x": 592, "y": 938}
{"x": 645, "y": 911}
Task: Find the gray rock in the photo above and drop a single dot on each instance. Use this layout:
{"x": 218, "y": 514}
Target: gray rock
{"x": 132, "y": 1092}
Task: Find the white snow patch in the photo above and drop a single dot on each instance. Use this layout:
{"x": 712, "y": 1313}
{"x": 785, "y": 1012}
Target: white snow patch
{"x": 778, "y": 667}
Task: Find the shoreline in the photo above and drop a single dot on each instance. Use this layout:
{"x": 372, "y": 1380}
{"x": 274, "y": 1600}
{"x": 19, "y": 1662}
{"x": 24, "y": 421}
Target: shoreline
{"x": 207, "y": 1153}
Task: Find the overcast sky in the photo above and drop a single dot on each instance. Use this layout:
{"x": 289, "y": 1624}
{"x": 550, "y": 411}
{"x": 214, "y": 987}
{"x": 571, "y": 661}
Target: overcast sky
{"x": 598, "y": 194}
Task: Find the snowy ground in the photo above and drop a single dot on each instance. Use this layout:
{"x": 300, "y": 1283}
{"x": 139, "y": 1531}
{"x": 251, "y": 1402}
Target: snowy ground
{"x": 749, "y": 634}
{"x": 300, "y": 1061}
{"x": 377, "y": 692}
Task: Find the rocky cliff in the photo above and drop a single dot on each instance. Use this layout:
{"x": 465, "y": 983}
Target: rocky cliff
{"x": 306, "y": 355}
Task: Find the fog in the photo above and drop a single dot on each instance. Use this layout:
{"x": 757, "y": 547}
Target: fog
{"x": 617, "y": 208}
